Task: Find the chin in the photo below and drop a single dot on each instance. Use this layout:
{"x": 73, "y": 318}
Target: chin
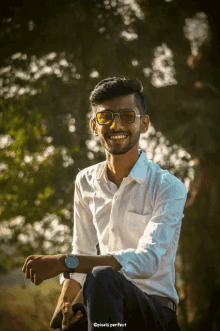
{"x": 118, "y": 152}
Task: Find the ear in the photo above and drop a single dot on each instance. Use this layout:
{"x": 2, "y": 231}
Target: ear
{"x": 145, "y": 123}
{"x": 93, "y": 126}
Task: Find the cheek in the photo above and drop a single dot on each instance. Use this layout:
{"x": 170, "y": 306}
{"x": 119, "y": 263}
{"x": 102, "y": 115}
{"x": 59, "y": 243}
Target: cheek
{"x": 101, "y": 132}
{"x": 136, "y": 128}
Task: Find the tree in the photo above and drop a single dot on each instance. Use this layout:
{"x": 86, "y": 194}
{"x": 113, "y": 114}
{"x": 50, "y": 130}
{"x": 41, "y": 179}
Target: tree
{"x": 60, "y": 49}
{"x": 187, "y": 114}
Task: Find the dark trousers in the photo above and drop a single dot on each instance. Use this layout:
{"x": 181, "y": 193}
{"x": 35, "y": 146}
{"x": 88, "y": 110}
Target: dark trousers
{"x": 113, "y": 302}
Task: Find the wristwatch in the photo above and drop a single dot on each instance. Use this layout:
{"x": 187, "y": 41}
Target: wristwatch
{"x": 71, "y": 262}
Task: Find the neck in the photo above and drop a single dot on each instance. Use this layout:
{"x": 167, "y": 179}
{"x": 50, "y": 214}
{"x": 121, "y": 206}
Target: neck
{"x": 119, "y": 166}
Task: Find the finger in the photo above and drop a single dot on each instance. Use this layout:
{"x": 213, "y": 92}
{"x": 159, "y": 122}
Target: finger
{"x": 76, "y": 317}
{"x": 78, "y": 314}
{"x": 31, "y": 257}
{"x": 28, "y": 259}
{"x": 24, "y": 266}
{"x": 30, "y": 264}
{"x": 38, "y": 282}
{"x": 32, "y": 275}
{"x": 28, "y": 269}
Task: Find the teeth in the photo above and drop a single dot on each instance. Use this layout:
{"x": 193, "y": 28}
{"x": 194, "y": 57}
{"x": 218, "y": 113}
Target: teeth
{"x": 118, "y": 137}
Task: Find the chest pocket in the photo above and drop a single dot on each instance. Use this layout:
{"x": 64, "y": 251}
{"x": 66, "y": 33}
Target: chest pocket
{"x": 133, "y": 227}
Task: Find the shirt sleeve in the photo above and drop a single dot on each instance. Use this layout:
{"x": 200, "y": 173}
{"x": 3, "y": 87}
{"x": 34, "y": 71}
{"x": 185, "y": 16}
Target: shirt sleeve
{"x": 167, "y": 215}
{"x": 84, "y": 232}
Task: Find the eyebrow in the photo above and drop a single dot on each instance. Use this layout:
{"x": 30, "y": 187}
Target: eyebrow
{"x": 101, "y": 111}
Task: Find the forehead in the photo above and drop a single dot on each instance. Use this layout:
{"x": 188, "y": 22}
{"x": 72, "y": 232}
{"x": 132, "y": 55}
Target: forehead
{"x": 121, "y": 102}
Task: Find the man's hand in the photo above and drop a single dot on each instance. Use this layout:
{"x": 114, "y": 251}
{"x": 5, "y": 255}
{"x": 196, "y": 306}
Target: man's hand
{"x": 63, "y": 315}
{"x": 41, "y": 267}
{"x": 68, "y": 317}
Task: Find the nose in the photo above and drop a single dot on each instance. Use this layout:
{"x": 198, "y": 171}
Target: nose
{"x": 116, "y": 123}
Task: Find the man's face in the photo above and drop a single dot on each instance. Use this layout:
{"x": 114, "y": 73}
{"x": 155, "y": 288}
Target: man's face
{"x": 109, "y": 135}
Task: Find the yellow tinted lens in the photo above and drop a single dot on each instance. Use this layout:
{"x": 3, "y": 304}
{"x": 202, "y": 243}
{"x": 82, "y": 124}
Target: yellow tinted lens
{"x": 104, "y": 118}
{"x": 127, "y": 117}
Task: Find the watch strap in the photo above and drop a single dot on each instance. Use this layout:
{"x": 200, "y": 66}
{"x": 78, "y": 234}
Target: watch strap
{"x": 66, "y": 274}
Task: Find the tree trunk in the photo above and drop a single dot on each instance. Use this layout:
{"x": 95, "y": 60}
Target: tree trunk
{"x": 199, "y": 250}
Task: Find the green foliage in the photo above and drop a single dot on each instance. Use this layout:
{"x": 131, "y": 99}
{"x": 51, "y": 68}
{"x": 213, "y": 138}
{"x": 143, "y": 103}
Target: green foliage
{"x": 54, "y": 54}
{"x": 39, "y": 163}
{"x": 44, "y": 114}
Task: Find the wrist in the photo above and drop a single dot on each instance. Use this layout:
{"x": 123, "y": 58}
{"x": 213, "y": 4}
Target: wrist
{"x": 61, "y": 259}
{"x": 71, "y": 263}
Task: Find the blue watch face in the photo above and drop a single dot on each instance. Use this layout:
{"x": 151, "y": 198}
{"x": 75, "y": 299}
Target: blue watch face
{"x": 71, "y": 262}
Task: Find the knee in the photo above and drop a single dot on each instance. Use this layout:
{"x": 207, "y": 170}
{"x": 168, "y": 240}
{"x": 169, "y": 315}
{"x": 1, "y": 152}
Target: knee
{"x": 101, "y": 281}
{"x": 102, "y": 271}
{"x": 101, "y": 274}
{"x": 97, "y": 276}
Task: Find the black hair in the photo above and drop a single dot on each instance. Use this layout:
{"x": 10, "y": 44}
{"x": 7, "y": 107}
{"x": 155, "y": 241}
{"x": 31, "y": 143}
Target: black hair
{"x": 112, "y": 87}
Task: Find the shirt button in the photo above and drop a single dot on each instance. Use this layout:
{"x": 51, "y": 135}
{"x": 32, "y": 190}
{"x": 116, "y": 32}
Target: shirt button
{"x": 116, "y": 198}
{"x": 113, "y": 230}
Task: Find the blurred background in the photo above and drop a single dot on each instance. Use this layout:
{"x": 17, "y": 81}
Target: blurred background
{"x": 53, "y": 53}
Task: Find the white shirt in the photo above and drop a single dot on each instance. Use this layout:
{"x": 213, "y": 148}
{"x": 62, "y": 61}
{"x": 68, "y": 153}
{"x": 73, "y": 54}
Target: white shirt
{"x": 138, "y": 223}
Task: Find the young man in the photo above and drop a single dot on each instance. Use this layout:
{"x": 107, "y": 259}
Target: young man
{"x": 133, "y": 209}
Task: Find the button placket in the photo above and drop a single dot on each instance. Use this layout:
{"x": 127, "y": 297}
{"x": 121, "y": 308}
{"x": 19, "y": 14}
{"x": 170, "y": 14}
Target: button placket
{"x": 112, "y": 224}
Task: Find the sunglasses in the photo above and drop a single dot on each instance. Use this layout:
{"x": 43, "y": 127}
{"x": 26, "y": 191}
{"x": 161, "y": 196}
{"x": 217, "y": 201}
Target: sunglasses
{"x": 126, "y": 117}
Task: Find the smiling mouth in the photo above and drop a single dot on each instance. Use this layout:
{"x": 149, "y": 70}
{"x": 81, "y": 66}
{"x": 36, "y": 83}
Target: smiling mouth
{"x": 117, "y": 137}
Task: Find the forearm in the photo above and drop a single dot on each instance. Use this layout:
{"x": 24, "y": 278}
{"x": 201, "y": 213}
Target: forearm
{"x": 70, "y": 290}
{"x": 87, "y": 262}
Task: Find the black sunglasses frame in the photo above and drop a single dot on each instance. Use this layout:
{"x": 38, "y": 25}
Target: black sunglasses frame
{"x": 119, "y": 115}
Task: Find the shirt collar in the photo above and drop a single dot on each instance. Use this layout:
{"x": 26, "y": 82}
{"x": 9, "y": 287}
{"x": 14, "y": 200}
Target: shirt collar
{"x": 138, "y": 172}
